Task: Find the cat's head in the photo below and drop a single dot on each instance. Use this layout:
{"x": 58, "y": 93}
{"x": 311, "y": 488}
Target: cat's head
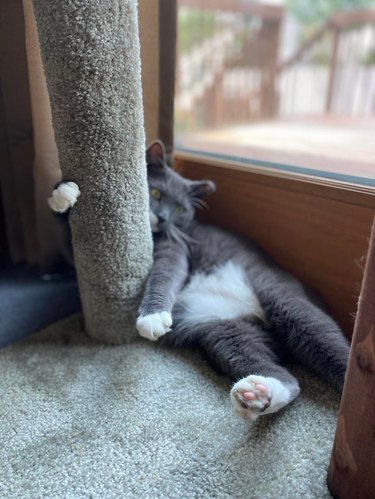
{"x": 173, "y": 198}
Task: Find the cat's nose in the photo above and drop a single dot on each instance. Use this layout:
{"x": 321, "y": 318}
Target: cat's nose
{"x": 161, "y": 220}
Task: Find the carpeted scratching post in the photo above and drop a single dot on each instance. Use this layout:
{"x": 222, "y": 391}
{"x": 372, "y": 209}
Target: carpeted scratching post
{"x": 91, "y": 57}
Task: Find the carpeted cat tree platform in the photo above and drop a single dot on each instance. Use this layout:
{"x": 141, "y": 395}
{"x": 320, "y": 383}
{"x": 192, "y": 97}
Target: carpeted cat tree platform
{"x": 81, "y": 417}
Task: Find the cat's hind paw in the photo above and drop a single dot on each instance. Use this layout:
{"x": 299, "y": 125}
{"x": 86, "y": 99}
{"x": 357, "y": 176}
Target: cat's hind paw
{"x": 153, "y": 326}
{"x": 250, "y": 397}
{"x": 64, "y": 197}
{"x": 256, "y": 395}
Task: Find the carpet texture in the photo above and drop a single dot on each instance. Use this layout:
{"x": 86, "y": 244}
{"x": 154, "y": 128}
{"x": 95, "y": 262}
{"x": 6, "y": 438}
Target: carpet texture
{"x": 83, "y": 420}
{"x": 91, "y": 57}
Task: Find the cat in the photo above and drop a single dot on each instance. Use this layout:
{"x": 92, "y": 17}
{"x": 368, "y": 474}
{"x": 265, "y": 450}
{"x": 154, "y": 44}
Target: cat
{"x": 215, "y": 290}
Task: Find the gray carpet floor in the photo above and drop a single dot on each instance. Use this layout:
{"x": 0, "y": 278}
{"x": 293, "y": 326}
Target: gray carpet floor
{"x": 82, "y": 420}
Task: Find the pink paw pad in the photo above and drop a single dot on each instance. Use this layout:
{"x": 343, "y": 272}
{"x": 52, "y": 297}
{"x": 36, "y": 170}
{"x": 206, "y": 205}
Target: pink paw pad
{"x": 254, "y": 398}
{"x": 261, "y": 391}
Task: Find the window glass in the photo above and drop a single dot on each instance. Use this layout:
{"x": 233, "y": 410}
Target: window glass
{"x": 285, "y": 84}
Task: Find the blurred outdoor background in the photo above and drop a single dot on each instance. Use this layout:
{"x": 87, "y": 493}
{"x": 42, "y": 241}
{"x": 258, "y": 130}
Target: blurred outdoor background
{"x": 290, "y": 82}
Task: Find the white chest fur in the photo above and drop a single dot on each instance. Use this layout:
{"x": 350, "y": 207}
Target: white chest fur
{"x": 223, "y": 294}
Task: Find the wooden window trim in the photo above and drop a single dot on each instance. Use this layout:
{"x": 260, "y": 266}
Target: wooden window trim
{"x": 316, "y": 228}
{"x": 357, "y": 194}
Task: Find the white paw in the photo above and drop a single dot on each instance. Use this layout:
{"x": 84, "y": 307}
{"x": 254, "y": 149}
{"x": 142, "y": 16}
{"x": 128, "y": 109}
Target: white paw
{"x": 254, "y": 396}
{"x": 64, "y": 197}
{"x": 154, "y": 325}
{"x": 250, "y": 397}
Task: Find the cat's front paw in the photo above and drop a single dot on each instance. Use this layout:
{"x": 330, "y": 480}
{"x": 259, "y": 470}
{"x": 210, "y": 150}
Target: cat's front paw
{"x": 153, "y": 326}
{"x": 64, "y": 197}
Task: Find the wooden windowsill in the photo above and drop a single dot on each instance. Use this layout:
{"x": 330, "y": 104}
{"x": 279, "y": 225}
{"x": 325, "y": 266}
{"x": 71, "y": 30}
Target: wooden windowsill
{"x": 334, "y": 189}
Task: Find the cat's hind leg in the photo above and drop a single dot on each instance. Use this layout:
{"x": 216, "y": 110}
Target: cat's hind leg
{"x": 308, "y": 333}
{"x": 241, "y": 349}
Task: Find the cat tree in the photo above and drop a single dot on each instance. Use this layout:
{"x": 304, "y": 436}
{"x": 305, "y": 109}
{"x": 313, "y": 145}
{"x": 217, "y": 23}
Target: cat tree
{"x": 91, "y": 58}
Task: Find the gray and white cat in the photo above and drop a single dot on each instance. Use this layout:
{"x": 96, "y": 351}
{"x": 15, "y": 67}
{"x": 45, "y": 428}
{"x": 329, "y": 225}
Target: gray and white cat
{"x": 212, "y": 289}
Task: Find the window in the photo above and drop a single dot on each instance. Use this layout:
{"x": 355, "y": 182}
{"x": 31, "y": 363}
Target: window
{"x": 288, "y": 85}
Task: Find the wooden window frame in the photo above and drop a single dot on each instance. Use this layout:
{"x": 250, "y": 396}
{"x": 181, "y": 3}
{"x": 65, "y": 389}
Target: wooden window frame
{"x": 316, "y": 228}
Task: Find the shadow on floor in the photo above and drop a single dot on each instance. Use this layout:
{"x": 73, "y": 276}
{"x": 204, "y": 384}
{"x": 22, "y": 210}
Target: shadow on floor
{"x": 30, "y": 301}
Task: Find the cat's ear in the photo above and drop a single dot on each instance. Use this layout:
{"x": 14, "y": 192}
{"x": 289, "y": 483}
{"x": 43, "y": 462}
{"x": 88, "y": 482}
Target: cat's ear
{"x": 200, "y": 188}
{"x": 156, "y": 154}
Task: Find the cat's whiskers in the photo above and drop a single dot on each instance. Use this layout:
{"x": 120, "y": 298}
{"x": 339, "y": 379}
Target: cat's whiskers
{"x": 176, "y": 235}
{"x": 199, "y": 203}
{"x": 169, "y": 236}
{"x": 179, "y": 236}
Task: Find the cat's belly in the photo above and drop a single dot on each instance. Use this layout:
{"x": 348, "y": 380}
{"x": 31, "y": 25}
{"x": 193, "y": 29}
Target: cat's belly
{"x": 223, "y": 294}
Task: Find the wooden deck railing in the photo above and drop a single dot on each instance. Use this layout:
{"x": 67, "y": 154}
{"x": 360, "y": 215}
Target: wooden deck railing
{"x": 274, "y": 80}
{"x": 333, "y": 28}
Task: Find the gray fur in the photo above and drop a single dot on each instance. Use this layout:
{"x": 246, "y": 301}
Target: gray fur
{"x": 297, "y": 325}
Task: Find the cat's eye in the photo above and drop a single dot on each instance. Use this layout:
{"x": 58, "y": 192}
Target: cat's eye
{"x": 155, "y": 193}
{"x": 179, "y": 209}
